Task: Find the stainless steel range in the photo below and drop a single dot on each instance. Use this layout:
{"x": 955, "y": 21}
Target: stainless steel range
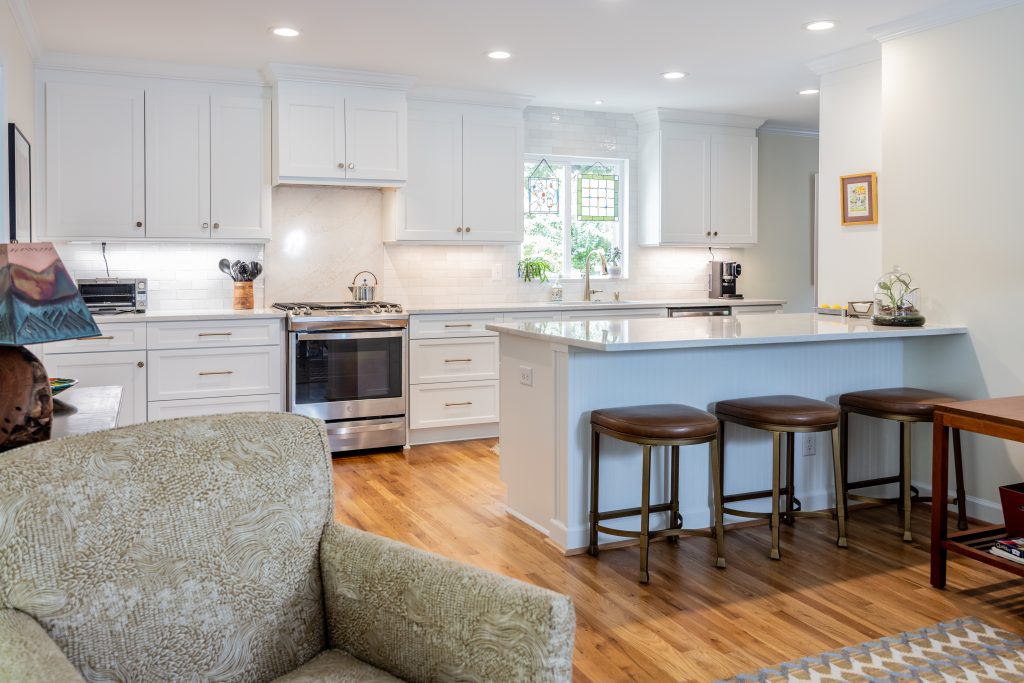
{"x": 347, "y": 366}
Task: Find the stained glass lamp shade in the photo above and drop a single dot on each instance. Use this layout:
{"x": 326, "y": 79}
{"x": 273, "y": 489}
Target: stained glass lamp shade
{"x": 39, "y": 302}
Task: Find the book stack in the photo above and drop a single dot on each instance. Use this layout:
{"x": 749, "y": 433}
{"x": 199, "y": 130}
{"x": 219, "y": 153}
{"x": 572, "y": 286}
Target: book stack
{"x": 1010, "y": 549}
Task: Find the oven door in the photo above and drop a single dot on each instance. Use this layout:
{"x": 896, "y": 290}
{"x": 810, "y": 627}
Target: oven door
{"x": 345, "y": 375}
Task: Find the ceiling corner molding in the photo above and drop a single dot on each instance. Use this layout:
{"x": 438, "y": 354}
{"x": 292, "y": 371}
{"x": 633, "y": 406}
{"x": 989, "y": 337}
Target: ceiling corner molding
{"x": 772, "y": 128}
{"x": 846, "y": 59}
{"x": 148, "y": 69}
{"x": 27, "y": 26}
{"x": 948, "y": 13}
{"x": 654, "y": 117}
{"x": 471, "y": 97}
{"x": 275, "y": 72}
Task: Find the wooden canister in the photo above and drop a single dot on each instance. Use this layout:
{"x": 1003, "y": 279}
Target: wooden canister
{"x": 243, "y": 296}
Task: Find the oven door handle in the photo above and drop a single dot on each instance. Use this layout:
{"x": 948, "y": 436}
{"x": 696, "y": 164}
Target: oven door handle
{"x": 368, "y": 334}
{"x": 370, "y": 426}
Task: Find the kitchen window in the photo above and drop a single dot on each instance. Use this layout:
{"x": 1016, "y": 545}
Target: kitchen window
{"x": 573, "y": 206}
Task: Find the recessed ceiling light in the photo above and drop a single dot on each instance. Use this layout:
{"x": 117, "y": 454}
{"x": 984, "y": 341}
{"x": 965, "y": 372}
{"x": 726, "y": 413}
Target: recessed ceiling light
{"x": 598, "y": 102}
{"x": 673, "y": 75}
{"x": 499, "y": 54}
{"x": 820, "y": 25}
{"x": 810, "y": 91}
{"x": 285, "y": 31}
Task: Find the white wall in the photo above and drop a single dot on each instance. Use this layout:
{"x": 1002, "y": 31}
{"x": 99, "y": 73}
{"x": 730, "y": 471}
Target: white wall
{"x": 15, "y": 97}
{"x": 850, "y": 258}
{"x": 953, "y": 107}
{"x": 780, "y": 265}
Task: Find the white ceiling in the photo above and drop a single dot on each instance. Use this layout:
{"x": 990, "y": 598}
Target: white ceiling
{"x": 742, "y": 56}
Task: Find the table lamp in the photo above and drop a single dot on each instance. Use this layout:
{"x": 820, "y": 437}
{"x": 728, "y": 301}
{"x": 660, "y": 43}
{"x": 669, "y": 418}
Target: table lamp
{"x": 39, "y": 302}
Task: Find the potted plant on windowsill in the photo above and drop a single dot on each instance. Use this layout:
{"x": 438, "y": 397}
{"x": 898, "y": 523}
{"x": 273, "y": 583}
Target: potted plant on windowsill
{"x": 534, "y": 268}
{"x": 615, "y": 262}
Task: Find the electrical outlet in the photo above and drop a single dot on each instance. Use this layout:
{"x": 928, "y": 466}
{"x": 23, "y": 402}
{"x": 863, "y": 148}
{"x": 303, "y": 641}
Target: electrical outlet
{"x": 495, "y": 271}
{"x": 526, "y": 375}
{"x": 810, "y": 444}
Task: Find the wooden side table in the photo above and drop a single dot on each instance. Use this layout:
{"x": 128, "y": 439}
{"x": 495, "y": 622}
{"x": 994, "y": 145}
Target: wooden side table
{"x": 1002, "y": 418}
{"x": 81, "y": 410}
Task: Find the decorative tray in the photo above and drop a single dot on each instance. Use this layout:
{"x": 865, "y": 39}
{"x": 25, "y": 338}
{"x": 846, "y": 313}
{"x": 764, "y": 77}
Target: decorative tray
{"x": 59, "y": 384}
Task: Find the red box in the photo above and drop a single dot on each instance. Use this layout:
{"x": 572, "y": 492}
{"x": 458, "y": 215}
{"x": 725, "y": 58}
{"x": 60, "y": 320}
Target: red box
{"x": 1012, "y": 498}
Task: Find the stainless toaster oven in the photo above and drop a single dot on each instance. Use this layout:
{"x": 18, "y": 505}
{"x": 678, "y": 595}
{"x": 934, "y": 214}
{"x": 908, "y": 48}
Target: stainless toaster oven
{"x": 113, "y": 295}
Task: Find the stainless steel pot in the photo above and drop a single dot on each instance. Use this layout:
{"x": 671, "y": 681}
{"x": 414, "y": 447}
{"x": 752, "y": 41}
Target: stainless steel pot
{"x": 364, "y": 291}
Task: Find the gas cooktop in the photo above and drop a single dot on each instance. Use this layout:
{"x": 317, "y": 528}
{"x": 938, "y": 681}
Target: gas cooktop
{"x": 343, "y": 315}
{"x": 340, "y": 308}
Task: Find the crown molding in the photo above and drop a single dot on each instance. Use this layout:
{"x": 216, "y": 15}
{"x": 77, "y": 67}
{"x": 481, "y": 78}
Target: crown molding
{"x": 27, "y": 26}
{"x": 469, "y": 97}
{"x": 846, "y": 59}
{"x": 148, "y": 69}
{"x": 773, "y": 128}
{"x": 662, "y": 115}
{"x": 948, "y": 13}
{"x": 275, "y": 72}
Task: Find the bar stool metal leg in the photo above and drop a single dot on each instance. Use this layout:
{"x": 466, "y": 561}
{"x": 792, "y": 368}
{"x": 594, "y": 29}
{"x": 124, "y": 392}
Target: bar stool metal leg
{"x": 645, "y": 516}
{"x": 676, "y": 521}
{"x": 844, "y": 455}
{"x": 905, "y": 453}
{"x": 961, "y": 494}
{"x": 776, "y": 474}
{"x": 595, "y": 452}
{"x": 837, "y": 474}
{"x": 716, "y": 504}
{"x": 790, "y": 478}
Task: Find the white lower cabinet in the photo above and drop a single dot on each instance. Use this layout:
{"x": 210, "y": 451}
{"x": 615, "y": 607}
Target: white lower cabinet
{"x": 105, "y": 368}
{"x": 615, "y": 314}
{"x": 164, "y": 410}
{"x": 207, "y": 373}
{"x": 452, "y": 404}
{"x": 453, "y": 360}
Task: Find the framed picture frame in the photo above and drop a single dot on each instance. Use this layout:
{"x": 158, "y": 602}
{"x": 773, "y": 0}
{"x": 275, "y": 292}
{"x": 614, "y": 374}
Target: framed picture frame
{"x": 19, "y": 178}
{"x": 859, "y": 198}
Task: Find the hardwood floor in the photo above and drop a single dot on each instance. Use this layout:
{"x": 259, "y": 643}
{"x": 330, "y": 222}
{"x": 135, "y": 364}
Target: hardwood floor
{"x": 693, "y": 622}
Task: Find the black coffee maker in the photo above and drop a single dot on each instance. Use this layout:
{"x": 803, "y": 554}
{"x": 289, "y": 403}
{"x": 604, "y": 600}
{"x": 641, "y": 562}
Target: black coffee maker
{"x": 722, "y": 281}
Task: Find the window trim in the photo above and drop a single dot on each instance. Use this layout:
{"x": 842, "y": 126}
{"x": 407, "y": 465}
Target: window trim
{"x": 568, "y": 208}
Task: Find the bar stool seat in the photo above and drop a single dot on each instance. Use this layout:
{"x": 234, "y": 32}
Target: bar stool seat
{"x": 781, "y": 415}
{"x": 905, "y": 405}
{"x": 671, "y": 425}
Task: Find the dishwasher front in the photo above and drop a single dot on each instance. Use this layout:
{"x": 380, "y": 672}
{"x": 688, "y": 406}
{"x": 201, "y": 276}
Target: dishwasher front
{"x": 700, "y": 312}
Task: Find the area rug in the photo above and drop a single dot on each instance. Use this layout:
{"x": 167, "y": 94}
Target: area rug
{"x": 962, "y": 650}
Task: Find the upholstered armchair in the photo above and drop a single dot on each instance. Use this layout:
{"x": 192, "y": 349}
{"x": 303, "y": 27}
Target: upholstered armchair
{"x": 204, "y": 549}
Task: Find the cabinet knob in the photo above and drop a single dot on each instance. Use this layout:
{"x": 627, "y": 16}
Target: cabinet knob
{"x": 141, "y": 364}
{"x": 709, "y": 233}
{"x": 458, "y": 229}
{"x": 468, "y": 228}
{"x": 341, "y": 164}
{"x": 206, "y": 226}
{"x": 216, "y": 226}
{"x": 138, "y": 224}
{"x": 715, "y": 233}
{"x": 351, "y": 166}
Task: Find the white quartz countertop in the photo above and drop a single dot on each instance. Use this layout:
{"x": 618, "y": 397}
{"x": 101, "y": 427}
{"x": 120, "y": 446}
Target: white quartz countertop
{"x": 180, "y": 316}
{"x": 587, "y": 305}
{"x": 680, "y": 333}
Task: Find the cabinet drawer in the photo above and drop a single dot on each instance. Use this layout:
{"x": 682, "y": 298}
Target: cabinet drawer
{"x": 215, "y": 333}
{"x": 207, "y": 373}
{"x": 163, "y": 410}
{"x": 533, "y": 316}
{"x": 452, "y": 360}
{"x": 457, "y": 325}
{"x": 615, "y": 314}
{"x": 113, "y": 337}
{"x": 453, "y": 403}
{"x": 754, "y": 310}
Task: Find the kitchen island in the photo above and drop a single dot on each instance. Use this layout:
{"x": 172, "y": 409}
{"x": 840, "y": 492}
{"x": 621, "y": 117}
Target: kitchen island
{"x": 554, "y": 373}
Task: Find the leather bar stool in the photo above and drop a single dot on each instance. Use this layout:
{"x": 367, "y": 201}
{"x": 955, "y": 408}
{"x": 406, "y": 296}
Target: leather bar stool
{"x": 782, "y": 415}
{"x": 652, "y": 425}
{"x": 905, "y": 405}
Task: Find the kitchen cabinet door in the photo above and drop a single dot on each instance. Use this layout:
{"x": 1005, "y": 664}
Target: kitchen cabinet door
{"x": 95, "y": 162}
{"x": 311, "y": 131}
{"x": 433, "y": 194}
{"x": 615, "y": 314}
{"x": 685, "y": 212}
{"x": 126, "y": 369}
{"x": 375, "y": 135}
{"x": 492, "y": 178}
{"x": 734, "y": 205}
{"x": 177, "y": 165}
{"x": 239, "y": 168}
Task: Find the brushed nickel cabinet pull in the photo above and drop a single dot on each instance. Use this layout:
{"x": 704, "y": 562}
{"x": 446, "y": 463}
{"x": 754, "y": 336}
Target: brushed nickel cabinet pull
{"x": 351, "y": 165}
{"x": 138, "y": 224}
{"x": 458, "y": 360}
{"x": 341, "y": 164}
{"x": 462, "y": 403}
{"x": 214, "y": 334}
{"x": 216, "y": 226}
{"x": 141, "y": 364}
{"x": 468, "y": 228}
{"x": 96, "y": 338}
{"x": 458, "y": 324}
{"x": 206, "y": 226}
{"x": 458, "y": 229}
{"x": 217, "y": 372}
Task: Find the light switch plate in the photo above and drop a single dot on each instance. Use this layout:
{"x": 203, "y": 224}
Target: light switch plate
{"x": 496, "y": 271}
{"x": 526, "y": 375}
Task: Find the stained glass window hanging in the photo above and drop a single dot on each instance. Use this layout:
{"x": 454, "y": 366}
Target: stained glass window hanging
{"x": 597, "y": 197}
{"x": 543, "y": 190}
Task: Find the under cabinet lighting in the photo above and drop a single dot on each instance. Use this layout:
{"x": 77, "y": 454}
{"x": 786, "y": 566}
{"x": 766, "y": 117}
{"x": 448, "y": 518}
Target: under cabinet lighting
{"x": 820, "y": 25}
{"x": 285, "y": 32}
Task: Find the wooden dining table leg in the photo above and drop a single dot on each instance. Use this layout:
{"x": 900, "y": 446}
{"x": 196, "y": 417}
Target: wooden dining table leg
{"x": 940, "y": 492}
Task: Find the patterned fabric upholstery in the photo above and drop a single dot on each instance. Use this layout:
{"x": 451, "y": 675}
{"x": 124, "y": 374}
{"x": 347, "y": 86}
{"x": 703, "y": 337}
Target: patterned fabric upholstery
{"x": 193, "y": 550}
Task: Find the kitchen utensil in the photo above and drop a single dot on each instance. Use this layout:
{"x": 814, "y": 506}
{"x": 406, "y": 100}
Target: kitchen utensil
{"x": 243, "y": 271}
{"x": 255, "y": 268}
{"x": 364, "y": 291}
{"x": 225, "y": 267}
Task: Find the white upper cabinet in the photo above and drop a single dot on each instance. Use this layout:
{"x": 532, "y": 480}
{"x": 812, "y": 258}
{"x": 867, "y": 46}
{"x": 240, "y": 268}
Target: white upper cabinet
{"x": 239, "y": 167}
{"x": 335, "y": 127}
{"x": 95, "y": 161}
{"x": 465, "y": 176}
{"x": 698, "y": 179}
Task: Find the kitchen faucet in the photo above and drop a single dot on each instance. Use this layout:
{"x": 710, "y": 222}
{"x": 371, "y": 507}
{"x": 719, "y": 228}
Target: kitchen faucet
{"x": 587, "y": 291}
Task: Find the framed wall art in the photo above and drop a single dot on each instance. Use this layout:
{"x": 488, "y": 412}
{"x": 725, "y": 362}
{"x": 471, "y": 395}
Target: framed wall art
{"x": 859, "y": 199}
{"x": 19, "y": 177}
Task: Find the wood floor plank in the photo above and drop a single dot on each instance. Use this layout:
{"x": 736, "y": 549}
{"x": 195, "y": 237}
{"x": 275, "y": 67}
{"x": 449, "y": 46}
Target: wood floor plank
{"x": 693, "y": 622}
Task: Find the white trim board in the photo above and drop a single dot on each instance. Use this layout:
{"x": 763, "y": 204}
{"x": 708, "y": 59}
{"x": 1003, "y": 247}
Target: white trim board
{"x": 782, "y": 129}
{"x": 27, "y": 26}
{"x": 845, "y": 59}
{"x": 948, "y": 13}
{"x": 146, "y": 68}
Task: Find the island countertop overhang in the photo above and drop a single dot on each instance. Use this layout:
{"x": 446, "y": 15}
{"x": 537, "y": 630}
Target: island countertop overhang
{"x": 648, "y": 334}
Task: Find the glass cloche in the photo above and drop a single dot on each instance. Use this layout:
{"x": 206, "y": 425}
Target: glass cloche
{"x": 896, "y": 300}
